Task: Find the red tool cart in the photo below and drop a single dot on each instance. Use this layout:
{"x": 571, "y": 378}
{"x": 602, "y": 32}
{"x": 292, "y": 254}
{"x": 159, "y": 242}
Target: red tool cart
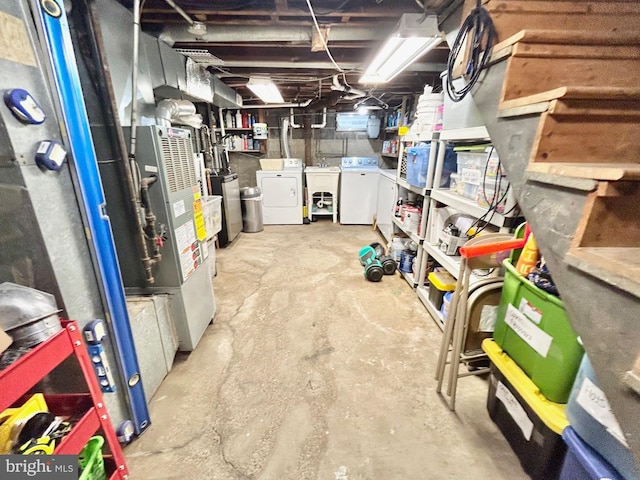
{"x": 20, "y": 377}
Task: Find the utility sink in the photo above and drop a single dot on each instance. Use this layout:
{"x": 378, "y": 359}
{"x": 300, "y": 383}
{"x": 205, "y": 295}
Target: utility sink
{"x": 322, "y": 181}
{"x": 315, "y": 169}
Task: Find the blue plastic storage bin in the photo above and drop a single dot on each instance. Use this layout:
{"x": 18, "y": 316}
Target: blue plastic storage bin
{"x": 590, "y": 416}
{"x": 417, "y": 164}
{"x": 582, "y": 462}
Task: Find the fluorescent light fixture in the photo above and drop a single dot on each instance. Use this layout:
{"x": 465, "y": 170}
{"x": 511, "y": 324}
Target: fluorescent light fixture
{"x": 265, "y": 89}
{"x": 411, "y": 40}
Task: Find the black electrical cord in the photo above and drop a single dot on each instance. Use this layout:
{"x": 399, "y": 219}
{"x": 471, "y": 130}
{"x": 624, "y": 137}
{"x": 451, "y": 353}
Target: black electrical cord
{"x": 479, "y": 27}
{"x": 495, "y": 201}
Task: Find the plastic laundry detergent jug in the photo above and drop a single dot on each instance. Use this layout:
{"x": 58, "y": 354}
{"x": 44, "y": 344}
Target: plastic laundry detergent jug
{"x": 397, "y": 246}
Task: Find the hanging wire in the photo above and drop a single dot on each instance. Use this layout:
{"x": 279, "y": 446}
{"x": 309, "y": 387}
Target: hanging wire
{"x": 324, "y": 43}
{"x": 479, "y": 27}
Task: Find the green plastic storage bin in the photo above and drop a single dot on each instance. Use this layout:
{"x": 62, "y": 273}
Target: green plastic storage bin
{"x": 533, "y": 329}
{"x": 91, "y": 461}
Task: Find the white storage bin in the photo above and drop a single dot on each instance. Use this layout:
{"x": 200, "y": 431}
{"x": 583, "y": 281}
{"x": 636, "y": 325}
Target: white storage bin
{"x": 271, "y": 163}
{"x": 212, "y": 211}
{"x": 462, "y": 114}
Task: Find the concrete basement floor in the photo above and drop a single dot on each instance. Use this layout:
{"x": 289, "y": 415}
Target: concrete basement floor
{"x": 311, "y": 372}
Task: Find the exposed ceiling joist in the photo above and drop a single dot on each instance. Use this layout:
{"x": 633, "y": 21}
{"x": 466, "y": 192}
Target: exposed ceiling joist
{"x": 275, "y": 38}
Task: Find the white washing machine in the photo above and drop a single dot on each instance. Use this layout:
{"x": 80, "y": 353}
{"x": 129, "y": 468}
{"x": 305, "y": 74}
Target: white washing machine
{"x": 282, "y": 193}
{"x": 358, "y": 190}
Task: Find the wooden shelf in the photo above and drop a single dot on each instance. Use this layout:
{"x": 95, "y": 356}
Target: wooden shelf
{"x": 389, "y": 155}
{"x": 595, "y": 171}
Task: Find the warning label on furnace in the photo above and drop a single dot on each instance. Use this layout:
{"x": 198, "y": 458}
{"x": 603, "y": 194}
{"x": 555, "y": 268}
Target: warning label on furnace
{"x": 537, "y": 338}
{"x": 187, "y": 248}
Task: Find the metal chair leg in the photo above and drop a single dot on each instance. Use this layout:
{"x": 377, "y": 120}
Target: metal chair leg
{"x": 447, "y": 335}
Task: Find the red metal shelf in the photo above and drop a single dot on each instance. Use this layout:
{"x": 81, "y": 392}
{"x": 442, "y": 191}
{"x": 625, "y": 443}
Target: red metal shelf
{"x": 87, "y": 410}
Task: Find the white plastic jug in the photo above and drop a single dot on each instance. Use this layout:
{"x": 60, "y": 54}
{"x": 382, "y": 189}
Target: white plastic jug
{"x": 397, "y": 246}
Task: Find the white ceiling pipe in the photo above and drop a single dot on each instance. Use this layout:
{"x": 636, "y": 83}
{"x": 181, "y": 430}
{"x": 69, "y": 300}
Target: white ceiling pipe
{"x": 303, "y": 35}
{"x": 291, "y": 105}
{"x": 292, "y": 123}
{"x": 324, "y": 120}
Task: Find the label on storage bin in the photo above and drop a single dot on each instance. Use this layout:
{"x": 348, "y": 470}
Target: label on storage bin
{"x": 530, "y": 311}
{"x": 515, "y": 410}
{"x": 537, "y": 338}
{"x": 595, "y": 403}
{"x": 471, "y": 175}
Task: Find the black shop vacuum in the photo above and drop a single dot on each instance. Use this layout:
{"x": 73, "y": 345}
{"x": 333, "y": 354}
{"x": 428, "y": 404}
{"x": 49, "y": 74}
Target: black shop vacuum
{"x": 376, "y": 263}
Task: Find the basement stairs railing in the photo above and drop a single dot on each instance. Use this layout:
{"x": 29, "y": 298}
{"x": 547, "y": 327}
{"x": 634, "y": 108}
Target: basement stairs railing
{"x": 562, "y": 105}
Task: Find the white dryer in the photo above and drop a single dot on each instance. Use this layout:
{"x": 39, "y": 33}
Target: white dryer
{"x": 282, "y": 193}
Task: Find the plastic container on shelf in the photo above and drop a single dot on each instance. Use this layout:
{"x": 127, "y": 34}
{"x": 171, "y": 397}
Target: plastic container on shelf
{"x": 582, "y": 462}
{"x": 533, "y": 328}
{"x": 396, "y": 248}
{"x": 429, "y": 111}
{"x": 407, "y": 257}
{"x": 462, "y": 114}
{"x": 470, "y": 162}
{"x": 470, "y": 190}
{"x": 531, "y": 423}
{"x": 446, "y": 303}
{"x": 412, "y": 217}
{"x": 440, "y": 283}
{"x": 417, "y": 164}
{"x": 455, "y": 185}
{"x": 470, "y": 170}
{"x": 591, "y": 417}
{"x": 212, "y": 211}
{"x": 488, "y": 194}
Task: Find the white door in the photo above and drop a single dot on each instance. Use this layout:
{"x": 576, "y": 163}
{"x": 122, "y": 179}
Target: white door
{"x": 281, "y": 198}
{"x": 280, "y": 191}
{"x": 358, "y": 197}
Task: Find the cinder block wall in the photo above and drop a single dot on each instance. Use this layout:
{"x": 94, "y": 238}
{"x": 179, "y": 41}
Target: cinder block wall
{"x": 327, "y": 145}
